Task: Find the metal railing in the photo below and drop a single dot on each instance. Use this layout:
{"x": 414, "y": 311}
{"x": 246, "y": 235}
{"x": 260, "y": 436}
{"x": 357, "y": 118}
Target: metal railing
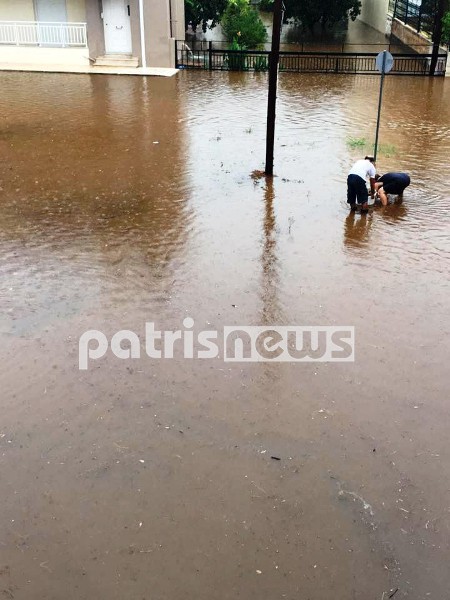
{"x": 417, "y": 14}
{"x": 318, "y": 46}
{"x": 40, "y": 33}
{"x": 207, "y": 57}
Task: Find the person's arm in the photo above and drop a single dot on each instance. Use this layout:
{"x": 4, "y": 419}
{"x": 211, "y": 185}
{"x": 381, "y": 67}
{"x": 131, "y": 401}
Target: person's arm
{"x": 372, "y": 174}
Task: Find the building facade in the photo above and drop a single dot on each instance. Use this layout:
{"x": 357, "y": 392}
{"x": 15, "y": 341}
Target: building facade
{"x": 128, "y": 33}
{"x": 375, "y": 13}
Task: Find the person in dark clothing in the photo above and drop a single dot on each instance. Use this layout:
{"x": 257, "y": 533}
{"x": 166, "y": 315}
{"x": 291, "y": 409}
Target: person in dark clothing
{"x": 391, "y": 183}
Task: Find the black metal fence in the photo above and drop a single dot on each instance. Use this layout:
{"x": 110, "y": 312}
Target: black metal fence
{"x": 205, "y": 56}
{"x": 418, "y": 14}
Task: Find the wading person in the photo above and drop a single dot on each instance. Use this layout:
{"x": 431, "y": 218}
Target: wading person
{"x": 357, "y": 194}
{"x": 391, "y": 183}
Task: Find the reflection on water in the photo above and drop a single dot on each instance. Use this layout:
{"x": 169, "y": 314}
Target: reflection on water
{"x": 84, "y": 186}
{"x": 127, "y": 199}
{"x": 357, "y": 231}
{"x": 270, "y": 284}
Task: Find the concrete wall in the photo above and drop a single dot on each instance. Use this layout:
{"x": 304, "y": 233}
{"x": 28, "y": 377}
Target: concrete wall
{"x": 135, "y": 30}
{"x": 95, "y": 33}
{"x": 23, "y": 10}
{"x": 17, "y": 10}
{"x": 178, "y": 25}
{"x": 157, "y": 26}
{"x": 374, "y": 13}
{"x": 76, "y": 11}
{"x": 164, "y": 22}
{"x": 410, "y": 37}
{"x": 30, "y": 55}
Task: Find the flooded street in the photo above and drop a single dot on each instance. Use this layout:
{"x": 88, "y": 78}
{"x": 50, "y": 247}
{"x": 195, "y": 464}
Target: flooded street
{"x": 126, "y": 200}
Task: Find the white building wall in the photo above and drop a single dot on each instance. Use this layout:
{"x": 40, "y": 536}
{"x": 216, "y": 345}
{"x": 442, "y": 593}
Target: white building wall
{"x": 23, "y": 10}
{"x": 374, "y": 13}
{"x": 30, "y": 55}
{"x": 76, "y": 11}
{"x": 16, "y": 10}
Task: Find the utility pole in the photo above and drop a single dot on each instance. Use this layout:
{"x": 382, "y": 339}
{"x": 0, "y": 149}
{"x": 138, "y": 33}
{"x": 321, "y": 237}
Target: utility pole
{"x": 437, "y": 34}
{"x": 274, "y": 58}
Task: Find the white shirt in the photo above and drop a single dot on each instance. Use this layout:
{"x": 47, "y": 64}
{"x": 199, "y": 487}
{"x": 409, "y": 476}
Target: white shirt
{"x": 364, "y": 169}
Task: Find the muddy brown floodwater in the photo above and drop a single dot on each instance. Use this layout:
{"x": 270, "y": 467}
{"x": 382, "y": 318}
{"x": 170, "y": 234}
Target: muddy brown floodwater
{"x": 125, "y": 200}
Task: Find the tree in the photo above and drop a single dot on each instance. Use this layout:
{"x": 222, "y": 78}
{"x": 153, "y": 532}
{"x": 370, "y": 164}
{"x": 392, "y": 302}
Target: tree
{"x": 206, "y": 13}
{"x": 441, "y": 8}
{"x": 446, "y": 29}
{"x": 325, "y": 12}
{"x": 242, "y": 23}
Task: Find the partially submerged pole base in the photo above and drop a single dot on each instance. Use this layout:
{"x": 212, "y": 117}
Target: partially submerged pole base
{"x": 274, "y": 58}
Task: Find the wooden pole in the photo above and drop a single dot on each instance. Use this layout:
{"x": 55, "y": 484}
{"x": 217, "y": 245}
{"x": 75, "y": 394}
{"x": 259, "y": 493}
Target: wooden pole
{"x": 274, "y": 58}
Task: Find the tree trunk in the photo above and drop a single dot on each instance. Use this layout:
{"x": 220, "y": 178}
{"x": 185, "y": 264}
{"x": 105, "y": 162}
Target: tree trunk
{"x": 437, "y": 34}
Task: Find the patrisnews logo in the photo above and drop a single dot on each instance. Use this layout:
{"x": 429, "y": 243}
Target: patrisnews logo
{"x": 233, "y": 344}
{"x": 289, "y": 344}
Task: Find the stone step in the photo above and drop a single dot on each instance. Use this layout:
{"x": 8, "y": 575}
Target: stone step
{"x": 117, "y": 60}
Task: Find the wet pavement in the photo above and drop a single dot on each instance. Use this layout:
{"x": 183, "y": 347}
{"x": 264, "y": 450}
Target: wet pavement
{"x": 126, "y": 200}
{"x": 354, "y": 36}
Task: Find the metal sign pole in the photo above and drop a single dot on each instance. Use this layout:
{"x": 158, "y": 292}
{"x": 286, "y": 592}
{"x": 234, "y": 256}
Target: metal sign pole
{"x": 273, "y": 77}
{"x": 383, "y": 69}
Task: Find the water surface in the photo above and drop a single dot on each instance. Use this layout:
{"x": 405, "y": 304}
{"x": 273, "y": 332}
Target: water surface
{"x": 127, "y": 200}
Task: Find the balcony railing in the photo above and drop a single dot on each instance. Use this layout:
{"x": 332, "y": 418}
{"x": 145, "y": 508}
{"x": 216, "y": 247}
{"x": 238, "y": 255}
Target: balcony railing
{"x": 417, "y": 14}
{"x": 39, "y": 33}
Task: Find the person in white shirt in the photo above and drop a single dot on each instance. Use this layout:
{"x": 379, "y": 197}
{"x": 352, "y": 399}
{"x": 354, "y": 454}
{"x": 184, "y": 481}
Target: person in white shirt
{"x": 357, "y": 193}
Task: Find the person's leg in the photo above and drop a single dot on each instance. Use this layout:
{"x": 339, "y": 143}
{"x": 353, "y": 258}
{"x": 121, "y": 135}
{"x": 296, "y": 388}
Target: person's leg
{"x": 382, "y": 195}
{"x": 362, "y": 195}
{"x": 402, "y": 189}
{"x": 351, "y": 193}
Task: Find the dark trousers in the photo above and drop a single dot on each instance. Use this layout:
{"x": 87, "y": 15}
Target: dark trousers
{"x": 356, "y": 190}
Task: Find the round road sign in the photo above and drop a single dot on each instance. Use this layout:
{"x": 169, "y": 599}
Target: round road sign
{"x": 388, "y": 60}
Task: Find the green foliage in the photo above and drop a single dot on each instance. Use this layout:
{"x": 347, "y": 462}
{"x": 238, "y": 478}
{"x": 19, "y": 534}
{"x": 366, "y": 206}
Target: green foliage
{"x": 387, "y": 150}
{"x": 365, "y": 147}
{"x": 446, "y": 29}
{"x": 325, "y": 12}
{"x": 235, "y": 61}
{"x": 356, "y": 142}
{"x": 200, "y": 12}
{"x": 242, "y": 22}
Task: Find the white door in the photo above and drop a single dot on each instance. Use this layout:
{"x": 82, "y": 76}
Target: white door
{"x": 116, "y": 21}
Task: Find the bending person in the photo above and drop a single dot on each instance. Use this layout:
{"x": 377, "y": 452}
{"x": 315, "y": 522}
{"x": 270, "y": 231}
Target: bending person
{"x": 391, "y": 183}
{"x": 356, "y": 183}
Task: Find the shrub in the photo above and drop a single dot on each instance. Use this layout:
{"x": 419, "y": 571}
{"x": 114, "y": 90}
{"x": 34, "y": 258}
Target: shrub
{"x": 242, "y": 22}
{"x": 234, "y": 60}
{"x": 446, "y": 29}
